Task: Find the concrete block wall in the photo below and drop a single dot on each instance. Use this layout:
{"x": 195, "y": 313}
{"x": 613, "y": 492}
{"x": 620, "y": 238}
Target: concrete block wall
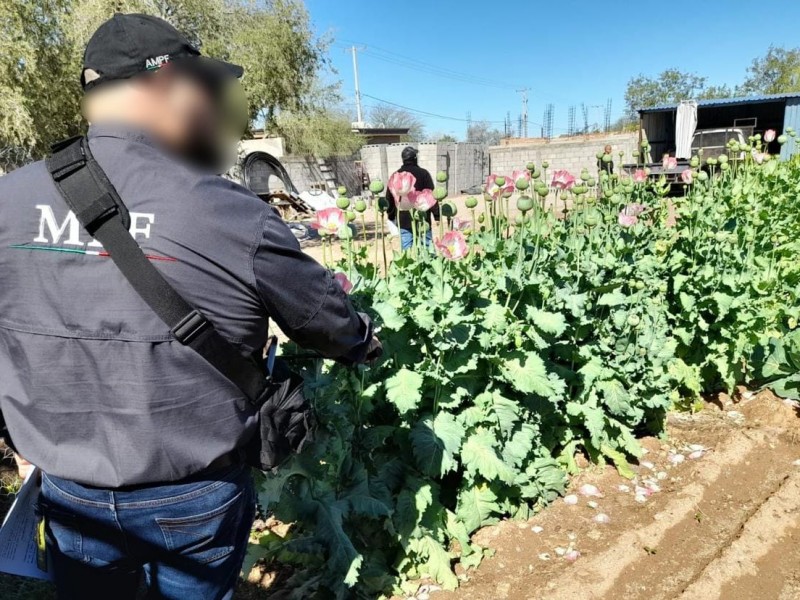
{"x": 572, "y": 154}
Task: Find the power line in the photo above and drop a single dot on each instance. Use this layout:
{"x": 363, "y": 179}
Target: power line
{"x": 424, "y": 112}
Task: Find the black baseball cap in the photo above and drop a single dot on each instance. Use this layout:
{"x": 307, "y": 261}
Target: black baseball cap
{"x": 130, "y": 44}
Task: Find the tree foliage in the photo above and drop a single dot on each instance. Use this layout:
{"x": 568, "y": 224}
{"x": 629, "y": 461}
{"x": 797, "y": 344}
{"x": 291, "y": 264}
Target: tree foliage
{"x": 392, "y": 117}
{"x": 777, "y": 72}
{"x": 41, "y": 42}
{"x": 670, "y": 86}
{"x": 318, "y": 133}
{"x": 482, "y": 132}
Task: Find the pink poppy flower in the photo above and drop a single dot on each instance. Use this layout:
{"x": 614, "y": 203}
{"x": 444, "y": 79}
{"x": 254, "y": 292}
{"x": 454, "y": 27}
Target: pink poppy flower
{"x": 521, "y": 176}
{"x": 496, "y": 191}
{"x": 770, "y": 135}
{"x": 422, "y": 200}
{"x": 627, "y": 220}
{"x": 401, "y": 184}
{"x": 640, "y": 176}
{"x": 462, "y": 225}
{"x": 687, "y": 176}
{"x": 329, "y": 221}
{"x": 670, "y": 163}
{"x": 759, "y": 157}
{"x": 453, "y": 245}
{"x": 343, "y": 281}
{"x": 563, "y": 180}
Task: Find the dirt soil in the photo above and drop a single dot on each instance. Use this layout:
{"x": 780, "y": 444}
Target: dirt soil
{"x": 722, "y": 524}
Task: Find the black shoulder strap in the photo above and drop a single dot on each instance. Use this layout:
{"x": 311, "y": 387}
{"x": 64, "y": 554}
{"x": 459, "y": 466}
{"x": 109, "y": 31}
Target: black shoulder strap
{"x": 98, "y": 207}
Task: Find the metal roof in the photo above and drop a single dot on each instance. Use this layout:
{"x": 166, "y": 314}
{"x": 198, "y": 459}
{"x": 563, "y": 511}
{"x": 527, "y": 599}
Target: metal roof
{"x": 725, "y": 102}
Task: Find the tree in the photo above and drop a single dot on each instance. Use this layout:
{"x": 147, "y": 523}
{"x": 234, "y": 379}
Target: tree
{"x": 438, "y": 136}
{"x": 778, "y": 72}
{"x": 41, "y": 43}
{"x": 481, "y": 132}
{"x": 670, "y": 87}
{"x": 392, "y": 117}
{"x": 318, "y": 133}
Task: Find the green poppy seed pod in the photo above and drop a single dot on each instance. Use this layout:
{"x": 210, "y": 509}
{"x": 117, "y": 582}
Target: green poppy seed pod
{"x": 531, "y": 166}
{"x": 471, "y": 202}
{"x": 342, "y": 190}
{"x": 635, "y": 154}
{"x": 592, "y": 217}
{"x": 535, "y": 173}
{"x": 343, "y": 202}
{"x": 501, "y": 181}
{"x": 449, "y": 209}
{"x": 383, "y": 204}
{"x": 723, "y": 158}
{"x": 604, "y": 176}
{"x": 376, "y": 187}
{"x": 440, "y": 193}
{"x": 607, "y": 158}
{"x": 523, "y": 184}
{"x": 345, "y": 233}
{"x": 524, "y": 203}
{"x": 711, "y": 161}
{"x": 724, "y": 166}
{"x": 782, "y": 139}
{"x": 351, "y": 216}
{"x": 644, "y": 144}
{"x": 521, "y": 219}
{"x": 694, "y": 162}
{"x": 441, "y": 176}
{"x": 757, "y": 137}
{"x": 481, "y": 218}
{"x": 591, "y": 182}
{"x": 702, "y": 176}
{"x": 543, "y": 191}
{"x": 634, "y": 320}
{"x": 585, "y": 175}
{"x": 599, "y": 155}
{"x": 545, "y": 164}
{"x": 360, "y": 206}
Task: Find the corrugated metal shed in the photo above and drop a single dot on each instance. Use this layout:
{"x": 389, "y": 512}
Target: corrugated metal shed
{"x": 727, "y": 102}
{"x": 791, "y": 119}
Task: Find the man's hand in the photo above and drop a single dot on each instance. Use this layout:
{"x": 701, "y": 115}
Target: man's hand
{"x": 23, "y": 467}
{"x": 374, "y": 351}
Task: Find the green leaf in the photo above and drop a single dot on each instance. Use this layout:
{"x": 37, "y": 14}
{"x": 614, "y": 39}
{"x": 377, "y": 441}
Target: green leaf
{"x": 527, "y": 374}
{"x": 619, "y": 460}
{"x": 480, "y": 457}
{"x": 615, "y": 298}
{"x": 403, "y": 389}
{"x": 547, "y": 322}
{"x": 343, "y": 559}
{"x": 521, "y": 444}
{"x": 475, "y": 507}
{"x": 438, "y": 565}
{"x": 389, "y": 316}
{"x": 724, "y": 303}
{"x": 435, "y": 442}
{"x": 616, "y": 397}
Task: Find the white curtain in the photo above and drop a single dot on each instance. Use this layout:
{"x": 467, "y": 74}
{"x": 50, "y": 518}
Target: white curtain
{"x": 686, "y": 123}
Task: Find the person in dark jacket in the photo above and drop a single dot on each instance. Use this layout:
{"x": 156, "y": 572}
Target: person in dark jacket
{"x": 606, "y": 162}
{"x": 138, "y": 438}
{"x": 402, "y": 218}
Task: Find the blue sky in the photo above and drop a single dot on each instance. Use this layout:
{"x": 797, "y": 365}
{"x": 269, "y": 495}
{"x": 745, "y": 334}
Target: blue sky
{"x": 567, "y": 52}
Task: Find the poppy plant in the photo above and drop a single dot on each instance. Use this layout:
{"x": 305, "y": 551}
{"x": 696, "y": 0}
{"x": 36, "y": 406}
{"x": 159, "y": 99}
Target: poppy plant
{"x": 422, "y": 200}
{"x": 770, "y": 135}
{"x": 687, "y": 176}
{"x": 522, "y": 179}
{"x": 497, "y": 186}
{"x": 401, "y": 184}
{"x": 670, "y": 163}
{"x": 453, "y": 245}
{"x": 640, "y": 176}
{"x": 563, "y": 180}
{"x": 329, "y": 221}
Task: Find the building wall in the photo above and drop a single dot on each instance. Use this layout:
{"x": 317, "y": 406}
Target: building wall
{"x": 791, "y": 119}
{"x": 572, "y": 154}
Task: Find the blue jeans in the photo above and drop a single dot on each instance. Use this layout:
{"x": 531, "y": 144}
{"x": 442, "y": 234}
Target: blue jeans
{"x": 407, "y": 239}
{"x": 188, "y": 538}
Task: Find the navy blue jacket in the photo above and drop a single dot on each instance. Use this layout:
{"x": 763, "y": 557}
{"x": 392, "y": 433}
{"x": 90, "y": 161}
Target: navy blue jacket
{"x": 92, "y": 386}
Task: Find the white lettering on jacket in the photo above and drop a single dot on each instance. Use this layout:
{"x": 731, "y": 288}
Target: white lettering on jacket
{"x": 69, "y": 229}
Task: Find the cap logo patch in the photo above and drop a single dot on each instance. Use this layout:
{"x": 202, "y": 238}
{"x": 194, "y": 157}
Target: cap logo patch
{"x": 156, "y": 62}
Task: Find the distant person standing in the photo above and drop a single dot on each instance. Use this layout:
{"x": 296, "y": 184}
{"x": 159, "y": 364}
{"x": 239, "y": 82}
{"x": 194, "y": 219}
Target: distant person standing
{"x": 606, "y": 162}
{"x": 403, "y": 219}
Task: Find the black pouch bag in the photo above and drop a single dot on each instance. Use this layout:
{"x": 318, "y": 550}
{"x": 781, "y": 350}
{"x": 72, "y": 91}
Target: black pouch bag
{"x": 285, "y": 418}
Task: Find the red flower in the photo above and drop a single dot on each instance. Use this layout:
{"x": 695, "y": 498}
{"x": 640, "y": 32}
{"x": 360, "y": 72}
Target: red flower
{"x": 401, "y": 184}
{"x": 640, "y": 176}
{"x": 687, "y": 176}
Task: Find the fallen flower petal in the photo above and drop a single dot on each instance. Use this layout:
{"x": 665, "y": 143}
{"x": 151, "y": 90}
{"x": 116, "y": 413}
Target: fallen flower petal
{"x": 676, "y": 459}
{"x": 696, "y": 454}
{"x": 641, "y": 498}
{"x": 572, "y": 499}
{"x": 643, "y": 491}
{"x": 661, "y": 475}
{"x": 624, "y": 488}
{"x": 592, "y": 504}
{"x": 537, "y": 529}
{"x": 561, "y": 551}
{"x": 572, "y": 555}
{"x": 602, "y": 518}
{"x": 590, "y": 491}
{"x": 343, "y": 281}
{"x": 647, "y": 465}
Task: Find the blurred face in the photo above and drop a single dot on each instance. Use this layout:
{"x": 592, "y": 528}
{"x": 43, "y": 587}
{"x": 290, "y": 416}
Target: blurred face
{"x": 202, "y": 123}
{"x": 608, "y": 149}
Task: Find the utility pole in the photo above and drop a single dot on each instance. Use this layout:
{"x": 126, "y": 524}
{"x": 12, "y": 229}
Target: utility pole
{"x": 524, "y": 127}
{"x": 359, "y": 115}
